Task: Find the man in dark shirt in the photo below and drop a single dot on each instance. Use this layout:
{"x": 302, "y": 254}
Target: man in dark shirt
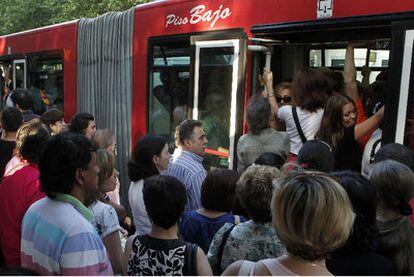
{"x": 22, "y": 100}
{"x": 11, "y": 119}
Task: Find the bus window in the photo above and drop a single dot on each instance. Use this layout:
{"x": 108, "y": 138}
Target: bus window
{"x": 215, "y": 89}
{"x": 376, "y": 60}
{"x": 19, "y": 74}
{"x": 169, "y": 88}
{"x": 315, "y": 58}
{"x": 45, "y": 73}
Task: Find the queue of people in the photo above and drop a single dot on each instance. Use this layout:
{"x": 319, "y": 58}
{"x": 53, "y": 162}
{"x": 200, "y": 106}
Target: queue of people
{"x": 296, "y": 205}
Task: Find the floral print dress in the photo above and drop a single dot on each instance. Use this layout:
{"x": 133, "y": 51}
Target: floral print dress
{"x": 247, "y": 241}
{"x": 157, "y": 257}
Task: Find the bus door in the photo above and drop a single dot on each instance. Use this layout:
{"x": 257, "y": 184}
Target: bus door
{"x": 19, "y": 74}
{"x": 218, "y": 68}
{"x": 400, "y": 113}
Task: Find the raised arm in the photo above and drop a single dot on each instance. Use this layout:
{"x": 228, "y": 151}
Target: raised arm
{"x": 351, "y": 88}
{"x": 366, "y": 73}
{"x": 268, "y": 78}
{"x": 369, "y": 125}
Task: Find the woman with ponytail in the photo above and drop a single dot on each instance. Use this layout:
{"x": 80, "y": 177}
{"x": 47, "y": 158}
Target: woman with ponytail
{"x": 394, "y": 182}
{"x": 149, "y": 158}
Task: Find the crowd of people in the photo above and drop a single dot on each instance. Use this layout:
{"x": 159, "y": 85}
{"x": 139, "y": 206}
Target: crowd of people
{"x": 314, "y": 193}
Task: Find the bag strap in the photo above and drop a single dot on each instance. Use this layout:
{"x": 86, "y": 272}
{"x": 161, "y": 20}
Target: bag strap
{"x": 190, "y": 260}
{"x": 221, "y": 248}
{"x": 236, "y": 219}
{"x": 374, "y": 147}
{"x": 298, "y": 127}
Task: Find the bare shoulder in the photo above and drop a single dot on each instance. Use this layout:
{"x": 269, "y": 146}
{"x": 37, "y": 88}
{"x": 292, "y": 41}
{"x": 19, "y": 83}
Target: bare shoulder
{"x": 203, "y": 266}
{"x": 261, "y": 270}
{"x": 233, "y": 269}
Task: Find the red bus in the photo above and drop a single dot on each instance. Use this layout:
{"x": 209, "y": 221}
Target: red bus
{"x": 144, "y": 70}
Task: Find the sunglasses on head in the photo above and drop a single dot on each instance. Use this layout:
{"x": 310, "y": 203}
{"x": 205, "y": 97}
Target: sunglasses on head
{"x": 285, "y": 99}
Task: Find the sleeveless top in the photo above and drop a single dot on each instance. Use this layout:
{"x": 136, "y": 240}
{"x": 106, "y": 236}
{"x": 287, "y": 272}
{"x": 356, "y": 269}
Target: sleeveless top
{"x": 275, "y": 267}
{"x": 151, "y": 256}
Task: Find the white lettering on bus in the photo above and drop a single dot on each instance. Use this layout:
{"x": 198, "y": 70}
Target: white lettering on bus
{"x": 198, "y": 14}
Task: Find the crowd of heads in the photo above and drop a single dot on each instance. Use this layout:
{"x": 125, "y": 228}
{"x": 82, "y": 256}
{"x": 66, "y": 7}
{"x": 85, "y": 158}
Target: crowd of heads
{"x": 314, "y": 210}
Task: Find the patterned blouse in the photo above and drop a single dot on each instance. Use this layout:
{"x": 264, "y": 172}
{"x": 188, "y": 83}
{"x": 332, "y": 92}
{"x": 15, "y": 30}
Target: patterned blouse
{"x": 247, "y": 241}
{"x": 157, "y": 257}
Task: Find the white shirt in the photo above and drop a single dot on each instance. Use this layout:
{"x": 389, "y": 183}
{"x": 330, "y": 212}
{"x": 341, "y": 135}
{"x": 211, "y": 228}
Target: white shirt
{"x": 136, "y": 202}
{"x": 366, "y": 156}
{"x": 105, "y": 219}
{"x": 310, "y": 123}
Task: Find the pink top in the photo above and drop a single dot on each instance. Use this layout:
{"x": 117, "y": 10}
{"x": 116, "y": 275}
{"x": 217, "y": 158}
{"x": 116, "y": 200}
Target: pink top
{"x": 276, "y": 268}
{"x": 13, "y": 165}
{"x": 17, "y": 193}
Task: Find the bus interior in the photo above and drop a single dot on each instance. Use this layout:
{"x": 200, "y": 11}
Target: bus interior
{"x": 40, "y": 73}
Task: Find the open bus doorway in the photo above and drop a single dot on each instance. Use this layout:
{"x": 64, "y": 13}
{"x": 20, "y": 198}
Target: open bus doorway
{"x": 41, "y": 74}
{"x": 379, "y": 48}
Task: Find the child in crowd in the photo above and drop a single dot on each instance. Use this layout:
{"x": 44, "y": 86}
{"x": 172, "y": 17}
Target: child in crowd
{"x": 161, "y": 252}
{"x": 217, "y": 200}
{"x": 105, "y": 219}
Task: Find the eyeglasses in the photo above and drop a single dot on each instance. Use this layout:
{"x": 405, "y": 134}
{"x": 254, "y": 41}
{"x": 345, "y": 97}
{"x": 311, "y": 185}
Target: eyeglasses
{"x": 285, "y": 99}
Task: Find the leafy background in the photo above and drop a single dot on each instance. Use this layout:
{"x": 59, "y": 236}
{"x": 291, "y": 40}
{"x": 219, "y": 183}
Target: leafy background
{"x": 20, "y": 15}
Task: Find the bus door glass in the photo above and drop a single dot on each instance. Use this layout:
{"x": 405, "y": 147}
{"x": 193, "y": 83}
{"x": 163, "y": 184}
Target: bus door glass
{"x": 169, "y": 98}
{"x": 19, "y": 74}
{"x": 404, "y": 133}
{"x": 216, "y": 72}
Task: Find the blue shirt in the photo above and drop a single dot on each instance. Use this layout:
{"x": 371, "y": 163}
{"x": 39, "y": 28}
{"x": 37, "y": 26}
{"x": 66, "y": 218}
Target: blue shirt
{"x": 199, "y": 229}
{"x": 188, "y": 168}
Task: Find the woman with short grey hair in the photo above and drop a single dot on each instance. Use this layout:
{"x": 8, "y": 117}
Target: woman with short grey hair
{"x": 261, "y": 138}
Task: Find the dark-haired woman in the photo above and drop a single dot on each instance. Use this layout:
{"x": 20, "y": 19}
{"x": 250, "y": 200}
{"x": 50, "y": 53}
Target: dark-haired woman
{"x": 338, "y": 129}
{"x": 310, "y": 92}
{"x": 160, "y": 252}
{"x": 217, "y": 199}
{"x": 394, "y": 182}
{"x": 149, "y": 158}
{"x": 359, "y": 255}
{"x": 316, "y": 155}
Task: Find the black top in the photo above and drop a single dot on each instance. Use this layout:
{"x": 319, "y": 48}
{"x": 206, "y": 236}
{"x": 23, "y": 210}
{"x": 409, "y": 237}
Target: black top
{"x": 345, "y": 262}
{"x": 152, "y": 256}
{"x": 348, "y": 154}
{"x": 6, "y": 153}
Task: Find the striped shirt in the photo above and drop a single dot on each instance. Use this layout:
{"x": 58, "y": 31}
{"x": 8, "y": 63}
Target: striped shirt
{"x": 188, "y": 168}
{"x": 57, "y": 238}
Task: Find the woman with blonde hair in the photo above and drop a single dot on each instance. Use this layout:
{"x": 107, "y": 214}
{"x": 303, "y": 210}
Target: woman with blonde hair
{"x": 17, "y": 162}
{"x": 312, "y": 216}
{"x": 105, "y": 218}
{"x": 394, "y": 182}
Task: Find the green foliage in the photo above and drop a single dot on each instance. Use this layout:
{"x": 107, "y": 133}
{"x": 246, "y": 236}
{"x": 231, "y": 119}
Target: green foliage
{"x": 20, "y": 15}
